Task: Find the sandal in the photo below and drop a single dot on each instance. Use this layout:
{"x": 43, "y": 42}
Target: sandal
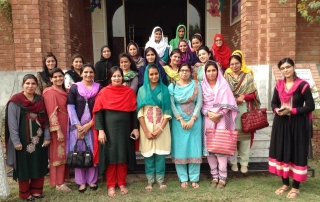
{"x": 63, "y": 188}
{"x": 214, "y": 182}
{"x": 293, "y": 193}
{"x": 112, "y": 192}
{"x": 184, "y": 185}
{"x": 282, "y": 189}
{"x": 124, "y": 190}
{"x": 148, "y": 187}
{"x": 221, "y": 184}
{"x": 162, "y": 186}
{"x": 195, "y": 185}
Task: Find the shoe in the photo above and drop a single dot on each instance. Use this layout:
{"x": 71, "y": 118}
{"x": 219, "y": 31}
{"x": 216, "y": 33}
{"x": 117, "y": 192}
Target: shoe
{"x": 214, "y": 182}
{"x": 221, "y": 184}
{"x": 30, "y": 199}
{"x": 234, "y": 167}
{"x": 82, "y": 190}
{"x": 293, "y": 193}
{"x": 94, "y": 188}
{"x": 63, "y": 188}
{"x": 38, "y": 196}
{"x": 244, "y": 169}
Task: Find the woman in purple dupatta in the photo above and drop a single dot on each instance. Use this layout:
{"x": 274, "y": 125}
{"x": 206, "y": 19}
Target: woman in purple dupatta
{"x": 186, "y": 55}
{"x": 220, "y": 110}
{"x": 80, "y": 104}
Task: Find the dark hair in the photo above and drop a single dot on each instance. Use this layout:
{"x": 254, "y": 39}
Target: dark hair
{"x": 210, "y": 63}
{"x": 290, "y": 61}
{"x": 29, "y": 76}
{"x": 197, "y": 36}
{"x": 237, "y": 57}
{"x": 205, "y": 48}
{"x": 112, "y": 71}
{"x": 154, "y": 51}
{"x": 75, "y": 56}
{"x": 52, "y": 72}
{"x": 157, "y": 30}
{"x": 133, "y": 65}
{"x": 174, "y": 51}
{"x": 105, "y": 46}
{"x": 185, "y": 64}
{"x": 88, "y": 65}
{"x": 44, "y": 66}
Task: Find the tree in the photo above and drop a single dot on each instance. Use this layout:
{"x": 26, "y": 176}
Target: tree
{"x": 309, "y": 10}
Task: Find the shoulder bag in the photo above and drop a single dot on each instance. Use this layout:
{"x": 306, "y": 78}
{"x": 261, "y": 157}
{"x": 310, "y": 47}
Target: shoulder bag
{"x": 80, "y": 159}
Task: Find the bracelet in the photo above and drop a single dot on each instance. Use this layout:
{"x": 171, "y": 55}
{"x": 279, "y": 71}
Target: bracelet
{"x": 221, "y": 114}
{"x": 179, "y": 118}
{"x": 194, "y": 118}
{"x": 160, "y": 128}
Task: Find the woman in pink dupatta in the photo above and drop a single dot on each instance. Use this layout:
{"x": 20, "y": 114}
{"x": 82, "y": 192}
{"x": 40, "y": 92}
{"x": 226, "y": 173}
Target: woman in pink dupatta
{"x": 220, "y": 110}
{"x": 55, "y": 99}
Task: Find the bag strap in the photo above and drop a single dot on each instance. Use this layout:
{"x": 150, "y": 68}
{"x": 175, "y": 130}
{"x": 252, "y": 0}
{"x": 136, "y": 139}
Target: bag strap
{"x": 240, "y": 82}
{"x": 76, "y": 146}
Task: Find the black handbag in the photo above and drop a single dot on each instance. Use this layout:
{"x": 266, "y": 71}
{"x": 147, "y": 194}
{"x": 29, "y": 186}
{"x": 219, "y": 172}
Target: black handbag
{"x": 80, "y": 159}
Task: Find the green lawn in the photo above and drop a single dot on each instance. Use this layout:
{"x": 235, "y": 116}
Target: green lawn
{"x": 240, "y": 187}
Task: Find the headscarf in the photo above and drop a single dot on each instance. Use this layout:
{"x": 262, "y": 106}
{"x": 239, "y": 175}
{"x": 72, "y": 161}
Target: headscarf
{"x": 129, "y": 75}
{"x": 244, "y": 68}
{"x": 220, "y": 97}
{"x": 284, "y": 95}
{"x": 159, "y": 96}
{"x": 159, "y": 47}
{"x": 88, "y": 93}
{"x": 187, "y": 57}
{"x": 138, "y": 51}
{"x": 101, "y": 69}
{"x": 222, "y": 53}
{"x": 174, "y": 42}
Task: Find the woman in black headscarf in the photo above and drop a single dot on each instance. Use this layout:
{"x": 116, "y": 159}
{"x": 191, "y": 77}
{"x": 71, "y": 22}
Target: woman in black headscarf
{"x": 103, "y": 66}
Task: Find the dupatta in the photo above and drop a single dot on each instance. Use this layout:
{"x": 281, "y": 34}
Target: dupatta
{"x": 175, "y": 42}
{"x": 159, "y": 47}
{"x": 244, "y": 67}
{"x": 222, "y": 53}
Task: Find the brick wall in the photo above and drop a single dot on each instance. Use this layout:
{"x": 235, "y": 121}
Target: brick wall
{"x": 6, "y": 47}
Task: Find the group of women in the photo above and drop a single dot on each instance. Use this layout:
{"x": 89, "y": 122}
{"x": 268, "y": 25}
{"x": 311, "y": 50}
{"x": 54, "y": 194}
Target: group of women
{"x": 156, "y": 109}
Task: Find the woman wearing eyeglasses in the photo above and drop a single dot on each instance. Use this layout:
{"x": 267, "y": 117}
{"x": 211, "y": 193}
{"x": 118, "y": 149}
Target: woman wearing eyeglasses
{"x": 221, "y": 52}
{"x": 292, "y": 104}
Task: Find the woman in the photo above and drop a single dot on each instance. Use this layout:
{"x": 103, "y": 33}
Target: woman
{"x": 130, "y": 71}
{"x": 27, "y": 140}
{"x": 55, "y": 100}
{"x": 151, "y": 56}
{"x": 4, "y": 186}
{"x": 220, "y": 110}
{"x": 204, "y": 56}
{"x": 172, "y": 68}
{"x": 181, "y": 34}
{"x": 48, "y": 63}
{"x": 186, "y": 53}
{"x": 133, "y": 50}
{"x": 244, "y": 68}
{"x": 115, "y": 118}
{"x": 221, "y": 52}
{"x": 292, "y": 103}
{"x": 157, "y": 42}
{"x": 74, "y": 74}
{"x": 196, "y": 43}
{"x": 186, "y": 102}
{"x": 80, "y": 103}
{"x": 103, "y": 66}
{"x": 154, "y": 112}
{"x": 245, "y": 94}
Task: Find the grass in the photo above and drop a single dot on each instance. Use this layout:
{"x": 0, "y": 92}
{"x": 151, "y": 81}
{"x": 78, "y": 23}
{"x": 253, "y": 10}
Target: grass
{"x": 240, "y": 187}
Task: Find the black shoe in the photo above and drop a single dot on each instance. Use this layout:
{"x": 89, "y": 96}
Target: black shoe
{"x": 30, "y": 199}
{"x": 94, "y": 188}
{"x": 38, "y": 196}
{"x": 82, "y": 190}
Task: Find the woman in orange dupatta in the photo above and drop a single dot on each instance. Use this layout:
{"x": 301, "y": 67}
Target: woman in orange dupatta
{"x": 55, "y": 99}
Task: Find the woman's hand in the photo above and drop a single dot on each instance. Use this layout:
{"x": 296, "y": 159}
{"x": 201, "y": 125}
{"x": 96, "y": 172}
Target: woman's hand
{"x": 183, "y": 123}
{"x": 214, "y": 117}
{"x": 156, "y": 133}
{"x": 46, "y": 143}
{"x": 136, "y": 133}
{"x": 198, "y": 64}
{"x": 18, "y": 147}
{"x": 189, "y": 125}
{"x": 84, "y": 129}
{"x": 102, "y": 137}
{"x": 149, "y": 135}
{"x": 284, "y": 112}
{"x": 60, "y": 136}
{"x": 240, "y": 99}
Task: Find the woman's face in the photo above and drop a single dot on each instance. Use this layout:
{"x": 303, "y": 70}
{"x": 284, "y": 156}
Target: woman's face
{"x": 116, "y": 78}
{"x": 235, "y": 65}
{"x": 175, "y": 58}
{"x": 57, "y": 79}
{"x": 211, "y": 73}
{"x": 218, "y": 41}
{"x": 157, "y": 36}
{"x": 153, "y": 76}
{"x": 181, "y": 33}
{"x": 29, "y": 86}
{"x": 51, "y": 63}
{"x": 196, "y": 44}
{"x": 77, "y": 63}
{"x": 184, "y": 73}
{"x": 133, "y": 50}
{"x": 125, "y": 64}
{"x": 203, "y": 56}
{"x": 106, "y": 53}
{"x": 150, "y": 57}
{"x": 183, "y": 46}
{"x": 88, "y": 74}
{"x": 287, "y": 70}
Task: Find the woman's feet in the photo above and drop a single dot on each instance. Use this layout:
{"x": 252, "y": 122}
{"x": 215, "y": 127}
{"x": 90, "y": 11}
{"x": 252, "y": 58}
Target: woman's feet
{"x": 112, "y": 192}
{"x": 293, "y": 193}
{"x": 221, "y": 184}
{"x": 63, "y": 188}
{"x": 162, "y": 186}
{"x": 244, "y": 169}
{"x": 30, "y": 198}
{"x": 38, "y": 196}
{"x": 82, "y": 188}
{"x": 214, "y": 182}
{"x": 93, "y": 187}
{"x": 148, "y": 187}
{"x": 184, "y": 185}
{"x": 234, "y": 167}
{"x": 124, "y": 190}
{"x": 282, "y": 189}
{"x": 195, "y": 185}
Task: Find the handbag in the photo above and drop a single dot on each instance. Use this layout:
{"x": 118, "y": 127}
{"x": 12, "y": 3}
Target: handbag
{"x": 80, "y": 159}
{"x": 219, "y": 141}
{"x": 254, "y": 119}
